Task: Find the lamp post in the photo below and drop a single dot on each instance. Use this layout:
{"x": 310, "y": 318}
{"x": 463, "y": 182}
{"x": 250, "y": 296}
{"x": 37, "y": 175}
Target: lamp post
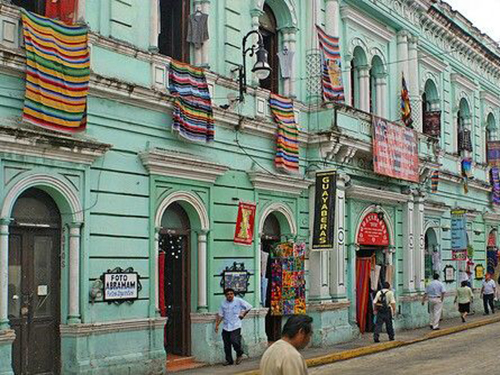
{"x": 261, "y": 67}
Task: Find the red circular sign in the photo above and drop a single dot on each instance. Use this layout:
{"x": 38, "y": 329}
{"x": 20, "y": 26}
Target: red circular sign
{"x": 373, "y": 231}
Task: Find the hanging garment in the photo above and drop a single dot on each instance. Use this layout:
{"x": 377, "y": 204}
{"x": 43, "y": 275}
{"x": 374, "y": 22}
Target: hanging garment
{"x": 161, "y": 280}
{"x": 436, "y": 261}
{"x": 362, "y": 291}
{"x": 375, "y": 276}
{"x": 57, "y": 73}
{"x": 287, "y": 143}
{"x": 63, "y": 10}
{"x": 331, "y": 77}
{"x": 435, "y": 181}
{"x": 492, "y": 260}
{"x": 197, "y": 32}
{"x": 432, "y": 123}
{"x": 495, "y": 185}
{"x": 389, "y": 273}
{"x": 286, "y": 62}
{"x": 464, "y": 140}
{"x": 493, "y": 153}
{"x": 193, "y": 117}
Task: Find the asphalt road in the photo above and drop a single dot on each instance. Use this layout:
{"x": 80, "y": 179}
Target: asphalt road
{"x": 475, "y": 351}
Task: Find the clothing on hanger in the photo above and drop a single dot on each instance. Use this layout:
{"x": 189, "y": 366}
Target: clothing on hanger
{"x": 286, "y": 62}
{"x": 197, "y": 29}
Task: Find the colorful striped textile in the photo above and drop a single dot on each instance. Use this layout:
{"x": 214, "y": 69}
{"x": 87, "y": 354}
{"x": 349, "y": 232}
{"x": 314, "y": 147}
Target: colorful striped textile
{"x": 193, "y": 117}
{"x": 405, "y": 104}
{"x": 495, "y": 183}
{"x": 435, "y": 181}
{"x": 493, "y": 153}
{"x": 287, "y": 143}
{"x": 333, "y": 86}
{"x": 161, "y": 282}
{"x": 363, "y": 269}
{"x": 58, "y": 71}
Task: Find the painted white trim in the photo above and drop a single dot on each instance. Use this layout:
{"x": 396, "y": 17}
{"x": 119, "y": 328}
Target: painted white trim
{"x": 188, "y": 197}
{"x": 373, "y": 27}
{"x": 465, "y": 82}
{"x": 282, "y": 183}
{"x": 177, "y": 164}
{"x": 375, "y": 195}
{"x": 90, "y": 329}
{"x": 283, "y": 209}
{"x": 488, "y": 97}
{"x": 40, "y": 179}
{"x": 387, "y": 219}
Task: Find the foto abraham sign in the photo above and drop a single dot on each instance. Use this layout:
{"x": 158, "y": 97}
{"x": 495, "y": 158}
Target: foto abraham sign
{"x": 120, "y": 286}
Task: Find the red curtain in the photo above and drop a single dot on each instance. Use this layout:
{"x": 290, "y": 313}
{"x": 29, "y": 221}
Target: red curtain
{"x": 363, "y": 267}
{"x": 63, "y": 10}
{"x": 161, "y": 281}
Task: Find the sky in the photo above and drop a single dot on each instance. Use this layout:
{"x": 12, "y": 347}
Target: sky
{"x": 483, "y": 14}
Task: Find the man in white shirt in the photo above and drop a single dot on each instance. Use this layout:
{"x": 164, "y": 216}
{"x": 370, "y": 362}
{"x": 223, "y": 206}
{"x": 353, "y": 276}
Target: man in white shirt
{"x": 283, "y": 357}
{"x": 384, "y": 306}
{"x": 435, "y": 294}
{"x": 232, "y": 311}
{"x": 488, "y": 294}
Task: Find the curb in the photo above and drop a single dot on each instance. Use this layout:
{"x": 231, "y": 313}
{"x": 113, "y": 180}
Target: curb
{"x": 377, "y": 348}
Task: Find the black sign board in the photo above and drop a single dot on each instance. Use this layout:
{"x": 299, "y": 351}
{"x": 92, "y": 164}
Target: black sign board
{"x": 324, "y": 210}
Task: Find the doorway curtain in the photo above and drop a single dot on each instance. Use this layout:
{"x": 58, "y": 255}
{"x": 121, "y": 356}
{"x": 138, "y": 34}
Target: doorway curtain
{"x": 363, "y": 268}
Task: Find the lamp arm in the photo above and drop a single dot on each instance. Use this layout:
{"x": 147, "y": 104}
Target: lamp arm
{"x": 243, "y": 68}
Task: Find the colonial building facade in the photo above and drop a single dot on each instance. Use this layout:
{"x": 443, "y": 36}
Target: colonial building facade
{"x": 74, "y": 207}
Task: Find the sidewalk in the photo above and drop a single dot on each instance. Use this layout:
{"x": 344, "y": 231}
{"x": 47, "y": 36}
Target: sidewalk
{"x": 356, "y": 348}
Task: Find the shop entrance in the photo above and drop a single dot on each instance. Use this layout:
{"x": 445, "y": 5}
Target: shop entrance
{"x": 271, "y": 235}
{"x": 174, "y": 243}
{"x": 34, "y": 283}
{"x": 373, "y": 267}
{"x": 432, "y": 255}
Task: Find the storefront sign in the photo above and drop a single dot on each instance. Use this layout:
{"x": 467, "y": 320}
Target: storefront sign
{"x": 121, "y": 286}
{"x": 458, "y": 232}
{"x": 432, "y": 123}
{"x": 243, "y": 234}
{"x": 324, "y": 210}
{"x": 459, "y": 255}
{"x": 449, "y": 274}
{"x": 395, "y": 150}
{"x": 373, "y": 231}
{"x": 236, "y": 277}
{"x": 479, "y": 272}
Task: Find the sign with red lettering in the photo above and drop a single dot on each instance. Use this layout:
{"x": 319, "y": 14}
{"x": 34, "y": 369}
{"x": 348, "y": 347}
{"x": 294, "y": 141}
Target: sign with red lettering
{"x": 373, "y": 231}
{"x": 395, "y": 150}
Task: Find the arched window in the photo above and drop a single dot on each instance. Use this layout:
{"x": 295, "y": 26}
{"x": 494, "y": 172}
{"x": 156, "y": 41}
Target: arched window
{"x": 268, "y": 29}
{"x": 491, "y": 131}
{"x": 464, "y": 139}
{"x": 377, "y": 86}
{"x": 174, "y": 15}
{"x": 430, "y": 110}
{"x": 36, "y": 6}
{"x": 360, "y": 80}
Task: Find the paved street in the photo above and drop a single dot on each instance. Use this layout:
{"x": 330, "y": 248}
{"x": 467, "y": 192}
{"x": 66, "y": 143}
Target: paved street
{"x": 471, "y": 352}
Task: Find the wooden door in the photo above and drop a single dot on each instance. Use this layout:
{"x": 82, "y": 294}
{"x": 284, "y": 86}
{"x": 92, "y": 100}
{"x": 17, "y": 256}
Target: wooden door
{"x": 177, "y": 293}
{"x": 34, "y": 299}
{"x": 174, "y": 18}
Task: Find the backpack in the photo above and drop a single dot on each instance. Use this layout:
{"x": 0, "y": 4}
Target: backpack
{"x": 382, "y": 305}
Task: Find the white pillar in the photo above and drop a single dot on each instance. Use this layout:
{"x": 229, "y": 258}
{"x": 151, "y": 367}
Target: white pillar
{"x": 402, "y": 40}
{"x": 255, "y": 13}
{"x": 364, "y": 88}
{"x": 205, "y": 49}
{"x": 338, "y": 258}
{"x": 202, "y": 272}
{"x": 154, "y": 24}
{"x": 74, "y": 273}
{"x": 157, "y": 269}
{"x": 332, "y": 17}
{"x": 381, "y": 89}
{"x": 80, "y": 11}
{"x": 419, "y": 234}
{"x": 408, "y": 246}
{"x": 4, "y": 273}
{"x": 292, "y": 42}
{"x": 286, "y": 81}
{"x": 348, "y": 84}
{"x": 413, "y": 83}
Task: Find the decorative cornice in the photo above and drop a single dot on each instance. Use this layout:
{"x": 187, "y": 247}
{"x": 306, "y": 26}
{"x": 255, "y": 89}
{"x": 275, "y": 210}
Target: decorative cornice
{"x": 90, "y": 329}
{"x": 52, "y": 145}
{"x": 276, "y": 182}
{"x": 487, "y": 96}
{"x": 433, "y": 63}
{"x": 375, "y": 195}
{"x": 176, "y": 164}
{"x": 435, "y": 209}
{"x": 463, "y": 81}
{"x": 375, "y": 28}
{"x": 491, "y": 217}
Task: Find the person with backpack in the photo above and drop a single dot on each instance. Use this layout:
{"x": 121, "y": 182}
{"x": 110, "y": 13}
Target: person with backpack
{"x": 384, "y": 306}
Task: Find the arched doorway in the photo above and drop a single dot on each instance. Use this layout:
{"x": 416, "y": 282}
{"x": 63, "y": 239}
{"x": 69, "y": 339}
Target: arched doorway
{"x": 374, "y": 266}
{"x": 432, "y": 255}
{"x": 269, "y": 31}
{"x": 271, "y": 235}
{"x": 174, "y": 244}
{"x": 34, "y": 283}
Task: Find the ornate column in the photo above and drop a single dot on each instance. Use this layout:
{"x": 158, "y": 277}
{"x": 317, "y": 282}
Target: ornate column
{"x": 381, "y": 89}
{"x": 348, "y": 83}
{"x": 205, "y": 49}
{"x": 74, "y": 273}
{"x": 255, "y": 13}
{"x": 332, "y": 17}
{"x": 4, "y": 273}
{"x": 413, "y": 83}
{"x": 202, "y": 271}
{"x": 80, "y": 11}
{"x": 408, "y": 245}
{"x": 157, "y": 270}
{"x": 154, "y": 25}
{"x": 402, "y": 40}
{"x": 364, "y": 88}
{"x": 289, "y": 42}
{"x": 337, "y": 257}
{"x": 419, "y": 234}
{"x": 313, "y": 58}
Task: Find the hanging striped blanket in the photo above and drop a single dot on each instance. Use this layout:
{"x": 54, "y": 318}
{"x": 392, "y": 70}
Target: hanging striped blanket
{"x": 58, "y": 69}
{"x": 287, "y": 143}
{"x": 495, "y": 182}
{"x": 333, "y": 86}
{"x": 193, "y": 117}
{"x": 435, "y": 181}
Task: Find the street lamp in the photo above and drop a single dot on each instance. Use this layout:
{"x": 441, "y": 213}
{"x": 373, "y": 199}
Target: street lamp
{"x": 261, "y": 68}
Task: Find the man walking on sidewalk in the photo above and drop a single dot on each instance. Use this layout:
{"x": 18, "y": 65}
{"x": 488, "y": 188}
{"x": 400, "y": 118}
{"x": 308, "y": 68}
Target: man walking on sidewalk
{"x": 385, "y": 308}
{"x": 232, "y": 311}
{"x": 435, "y": 293}
{"x": 488, "y": 292}
{"x": 283, "y": 357}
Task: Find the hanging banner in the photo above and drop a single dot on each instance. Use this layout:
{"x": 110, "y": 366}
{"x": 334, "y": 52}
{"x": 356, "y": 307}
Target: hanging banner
{"x": 432, "y": 123}
{"x": 243, "y": 234}
{"x": 324, "y": 210}
{"x": 395, "y": 150}
{"x": 458, "y": 235}
{"x": 373, "y": 231}
{"x": 493, "y": 153}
